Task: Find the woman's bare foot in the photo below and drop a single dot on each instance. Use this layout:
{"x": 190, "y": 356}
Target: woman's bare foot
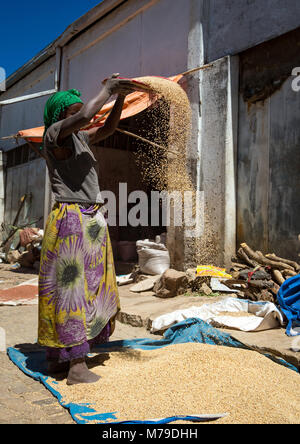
{"x": 80, "y": 374}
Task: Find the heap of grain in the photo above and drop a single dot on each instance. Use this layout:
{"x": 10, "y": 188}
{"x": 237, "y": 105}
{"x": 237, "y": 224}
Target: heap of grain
{"x": 189, "y": 379}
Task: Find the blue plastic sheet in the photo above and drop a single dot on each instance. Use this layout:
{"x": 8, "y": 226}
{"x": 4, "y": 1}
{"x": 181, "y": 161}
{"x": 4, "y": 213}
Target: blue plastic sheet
{"x": 289, "y": 300}
{"x": 33, "y": 364}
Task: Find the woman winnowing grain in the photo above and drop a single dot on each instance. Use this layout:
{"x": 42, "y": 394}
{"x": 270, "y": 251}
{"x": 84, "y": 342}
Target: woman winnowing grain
{"x": 78, "y": 294}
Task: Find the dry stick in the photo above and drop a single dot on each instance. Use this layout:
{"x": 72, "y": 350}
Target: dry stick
{"x": 145, "y": 140}
{"x": 241, "y": 254}
{"x": 118, "y": 129}
{"x": 239, "y": 266}
{"x": 261, "y": 284}
{"x": 289, "y": 273}
{"x": 16, "y": 136}
{"x": 275, "y": 258}
{"x": 9, "y": 137}
{"x": 95, "y": 121}
{"x": 15, "y": 229}
{"x": 275, "y": 288}
{"x": 196, "y": 69}
{"x": 261, "y": 259}
{"x": 277, "y": 276}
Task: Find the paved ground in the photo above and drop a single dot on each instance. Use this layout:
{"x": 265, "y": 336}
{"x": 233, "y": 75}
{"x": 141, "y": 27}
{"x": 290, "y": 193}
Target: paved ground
{"x": 25, "y": 401}
{"x": 141, "y": 309}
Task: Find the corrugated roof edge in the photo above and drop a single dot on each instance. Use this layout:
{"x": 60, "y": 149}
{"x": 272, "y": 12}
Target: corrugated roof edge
{"x": 86, "y": 20}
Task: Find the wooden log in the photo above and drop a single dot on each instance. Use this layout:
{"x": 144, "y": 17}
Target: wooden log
{"x": 242, "y": 255}
{"x": 267, "y": 296}
{"x": 289, "y": 273}
{"x": 275, "y": 258}
{"x": 237, "y": 266}
{"x": 261, "y": 259}
{"x": 275, "y": 288}
{"x": 261, "y": 284}
{"x": 235, "y": 274}
{"x": 277, "y": 276}
{"x": 252, "y": 295}
{"x": 231, "y": 283}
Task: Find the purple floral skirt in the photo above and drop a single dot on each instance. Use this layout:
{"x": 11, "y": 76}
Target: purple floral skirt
{"x": 78, "y": 351}
{"x": 78, "y": 293}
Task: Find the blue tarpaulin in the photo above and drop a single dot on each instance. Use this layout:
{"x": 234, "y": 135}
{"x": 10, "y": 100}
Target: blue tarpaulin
{"x": 289, "y": 300}
{"x": 33, "y": 364}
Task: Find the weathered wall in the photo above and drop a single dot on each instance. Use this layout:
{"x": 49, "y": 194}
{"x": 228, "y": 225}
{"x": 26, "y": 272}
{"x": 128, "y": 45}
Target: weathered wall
{"x": 23, "y": 179}
{"x": 150, "y": 38}
{"x": 217, "y": 159}
{"x": 269, "y": 157}
{"x": 29, "y": 177}
{"x": 236, "y": 25}
{"x": 27, "y": 114}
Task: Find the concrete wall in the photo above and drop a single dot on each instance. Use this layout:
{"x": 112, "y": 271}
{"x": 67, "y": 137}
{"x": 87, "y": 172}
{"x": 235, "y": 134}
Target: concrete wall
{"x": 27, "y": 114}
{"x": 226, "y": 28}
{"x": 231, "y": 26}
{"x": 139, "y": 38}
{"x": 268, "y": 173}
{"x": 23, "y": 179}
{"x": 2, "y": 186}
{"x": 30, "y": 177}
{"x": 217, "y": 164}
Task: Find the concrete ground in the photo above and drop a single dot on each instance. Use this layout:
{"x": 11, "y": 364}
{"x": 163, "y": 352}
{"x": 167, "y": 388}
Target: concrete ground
{"x": 22, "y": 399}
{"x": 141, "y": 309}
{"x": 25, "y": 401}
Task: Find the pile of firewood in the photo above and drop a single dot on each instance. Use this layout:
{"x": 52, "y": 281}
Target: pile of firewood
{"x": 260, "y": 276}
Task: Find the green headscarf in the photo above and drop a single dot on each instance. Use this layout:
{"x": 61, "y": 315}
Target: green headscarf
{"x": 57, "y": 103}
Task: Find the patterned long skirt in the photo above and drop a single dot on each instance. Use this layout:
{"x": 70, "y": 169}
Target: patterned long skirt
{"x": 78, "y": 293}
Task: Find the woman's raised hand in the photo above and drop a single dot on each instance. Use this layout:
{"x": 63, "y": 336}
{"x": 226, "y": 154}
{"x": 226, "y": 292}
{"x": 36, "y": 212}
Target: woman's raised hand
{"x": 116, "y": 85}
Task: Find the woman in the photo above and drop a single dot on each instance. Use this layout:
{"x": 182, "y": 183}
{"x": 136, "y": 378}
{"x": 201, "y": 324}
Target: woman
{"x": 78, "y": 294}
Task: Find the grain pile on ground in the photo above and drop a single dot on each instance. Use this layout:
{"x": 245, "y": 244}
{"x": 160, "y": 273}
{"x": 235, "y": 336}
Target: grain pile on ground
{"x": 236, "y": 314}
{"x": 191, "y": 379}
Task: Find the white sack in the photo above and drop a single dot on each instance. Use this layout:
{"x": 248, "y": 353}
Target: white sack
{"x": 153, "y": 258}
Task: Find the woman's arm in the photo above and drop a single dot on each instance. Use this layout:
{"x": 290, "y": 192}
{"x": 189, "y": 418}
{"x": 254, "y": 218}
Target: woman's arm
{"x": 112, "y": 86}
{"x": 111, "y": 123}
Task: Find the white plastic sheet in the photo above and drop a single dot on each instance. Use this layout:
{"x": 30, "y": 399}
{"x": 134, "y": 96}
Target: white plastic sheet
{"x": 266, "y": 315}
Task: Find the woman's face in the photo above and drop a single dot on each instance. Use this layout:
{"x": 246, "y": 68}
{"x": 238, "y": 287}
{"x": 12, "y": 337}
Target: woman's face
{"x": 70, "y": 111}
{"x": 73, "y": 109}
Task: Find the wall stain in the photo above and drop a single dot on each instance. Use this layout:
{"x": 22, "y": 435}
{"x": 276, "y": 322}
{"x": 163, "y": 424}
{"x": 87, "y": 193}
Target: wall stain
{"x": 266, "y": 67}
